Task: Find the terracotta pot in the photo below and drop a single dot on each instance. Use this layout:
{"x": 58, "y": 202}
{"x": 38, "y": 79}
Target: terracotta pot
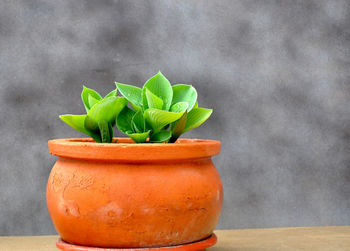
{"x": 134, "y": 195}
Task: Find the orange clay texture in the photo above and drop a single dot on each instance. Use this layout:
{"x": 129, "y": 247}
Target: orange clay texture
{"x": 134, "y": 195}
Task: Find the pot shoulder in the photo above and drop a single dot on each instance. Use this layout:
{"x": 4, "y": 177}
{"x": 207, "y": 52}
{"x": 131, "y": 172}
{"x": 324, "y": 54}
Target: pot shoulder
{"x": 117, "y": 204}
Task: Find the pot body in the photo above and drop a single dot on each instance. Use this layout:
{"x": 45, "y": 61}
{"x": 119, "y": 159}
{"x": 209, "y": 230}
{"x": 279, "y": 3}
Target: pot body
{"x": 137, "y": 203}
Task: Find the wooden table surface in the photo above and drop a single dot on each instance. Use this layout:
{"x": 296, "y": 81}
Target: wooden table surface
{"x": 301, "y": 238}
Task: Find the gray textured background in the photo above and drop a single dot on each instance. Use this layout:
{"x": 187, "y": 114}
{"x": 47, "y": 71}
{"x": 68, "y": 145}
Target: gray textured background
{"x": 277, "y": 74}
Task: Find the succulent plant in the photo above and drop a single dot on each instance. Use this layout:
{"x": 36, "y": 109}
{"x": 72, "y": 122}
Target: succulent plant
{"x": 101, "y": 114}
{"x": 159, "y": 112}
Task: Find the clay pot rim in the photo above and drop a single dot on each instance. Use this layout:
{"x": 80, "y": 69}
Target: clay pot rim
{"x": 127, "y": 150}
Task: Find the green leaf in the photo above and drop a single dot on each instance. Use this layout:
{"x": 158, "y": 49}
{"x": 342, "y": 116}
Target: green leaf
{"x": 85, "y": 97}
{"x": 135, "y": 107}
{"x": 91, "y": 124}
{"x": 77, "y": 123}
{"x": 138, "y": 122}
{"x": 179, "y": 107}
{"x": 153, "y": 101}
{"x": 96, "y": 137}
{"x": 196, "y": 117}
{"x": 112, "y": 94}
{"x": 124, "y": 120}
{"x": 160, "y": 137}
{"x": 178, "y": 128}
{"x": 157, "y": 119}
{"x": 105, "y": 131}
{"x": 134, "y": 128}
{"x": 92, "y": 101}
{"x": 185, "y": 93}
{"x": 139, "y": 137}
{"x": 195, "y": 105}
{"x": 160, "y": 87}
{"x": 106, "y": 109}
{"x": 132, "y": 93}
{"x": 110, "y": 128}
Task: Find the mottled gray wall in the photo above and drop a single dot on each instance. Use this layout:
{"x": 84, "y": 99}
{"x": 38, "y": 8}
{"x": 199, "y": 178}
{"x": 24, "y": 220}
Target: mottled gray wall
{"x": 277, "y": 74}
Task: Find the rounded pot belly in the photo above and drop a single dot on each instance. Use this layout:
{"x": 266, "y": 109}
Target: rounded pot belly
{"x": 143, "y": 204}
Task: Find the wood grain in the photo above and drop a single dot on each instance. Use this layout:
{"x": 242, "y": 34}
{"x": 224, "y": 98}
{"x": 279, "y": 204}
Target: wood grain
{"x": 302, "y": 238}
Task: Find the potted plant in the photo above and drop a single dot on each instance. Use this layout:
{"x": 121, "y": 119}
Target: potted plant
{"x": 150, "y": 190}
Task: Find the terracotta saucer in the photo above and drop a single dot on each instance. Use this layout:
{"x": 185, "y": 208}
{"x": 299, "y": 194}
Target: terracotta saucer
{"x": 194, "y": 246}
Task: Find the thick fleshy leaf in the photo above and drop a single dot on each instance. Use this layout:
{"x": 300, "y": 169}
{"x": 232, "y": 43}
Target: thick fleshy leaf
{"x": 92, "y": 101}
{"x": 85, "y": 97}
{"x": 195, "y": 105}
{"x": 105, "y": 131}
{"x": 134, "y": 128}
{"x": 184, "y": 93}
{"x": 138, "y": 121}
{"x": 112, "y": 94}
{"x": 159, "y": 137}
{"x": 159, "y": 86}
{"x": 77, "y": 123}
{"x": 110, "y": 128}
{"x": 132, "y": 93}
{"x": 139, "y": 137}
{"x": 91, "y": 124}
{"x": 178, "y": 128}
{"x": 179, "y": 107}
{"x": 96, "y": 137}
{"x": 153, "y": 101}
{"x": 157, "y": 119}
{"x": 107, "y": 109}
{"x": 196, "y": 117}
{"x": 135, "y": 107}
{"x": 124, "y": 120}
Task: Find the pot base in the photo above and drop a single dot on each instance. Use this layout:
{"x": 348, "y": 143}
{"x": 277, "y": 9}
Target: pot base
{"x": 194, "y": 246}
